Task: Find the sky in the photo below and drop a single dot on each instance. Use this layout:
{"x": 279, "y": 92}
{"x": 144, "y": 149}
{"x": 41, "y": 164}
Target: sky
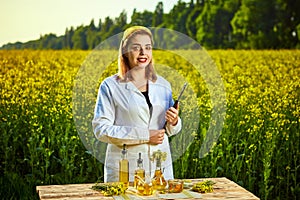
{"x": 24, "y": 20}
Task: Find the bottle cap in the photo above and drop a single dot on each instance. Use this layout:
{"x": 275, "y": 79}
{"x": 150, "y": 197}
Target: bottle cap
{"x": 140, "y": 160}
{"x": 124, "y": 151}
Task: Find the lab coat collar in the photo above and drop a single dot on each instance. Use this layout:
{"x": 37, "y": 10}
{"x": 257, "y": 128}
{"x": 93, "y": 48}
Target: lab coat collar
{"x": 130, "y": 86}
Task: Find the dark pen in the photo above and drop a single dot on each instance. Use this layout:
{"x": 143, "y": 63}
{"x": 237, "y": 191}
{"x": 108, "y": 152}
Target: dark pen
{"x": 176, "y": 103}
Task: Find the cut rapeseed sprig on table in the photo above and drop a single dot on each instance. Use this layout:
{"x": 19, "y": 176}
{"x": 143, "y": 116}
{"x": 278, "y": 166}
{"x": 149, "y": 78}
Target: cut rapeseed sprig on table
{"x": 110, "y": 189}
{"x": 203, "y": 186}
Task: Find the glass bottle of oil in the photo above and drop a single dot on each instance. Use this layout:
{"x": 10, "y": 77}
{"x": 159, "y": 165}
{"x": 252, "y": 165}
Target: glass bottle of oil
{"x": 158, "y": 181}
{"x": 139, "y": 173}
{"x": 124, "y": 168}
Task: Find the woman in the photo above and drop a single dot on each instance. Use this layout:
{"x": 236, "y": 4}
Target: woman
{"x": 132, "y": 108}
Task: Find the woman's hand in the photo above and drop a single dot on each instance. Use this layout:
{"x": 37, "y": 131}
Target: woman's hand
{"x": 157, "y": 136}
{"x": 172, "y": 116}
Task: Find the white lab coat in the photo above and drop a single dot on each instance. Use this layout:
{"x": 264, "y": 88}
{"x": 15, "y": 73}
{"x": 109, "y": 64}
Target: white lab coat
{"x": 122, "y": 116}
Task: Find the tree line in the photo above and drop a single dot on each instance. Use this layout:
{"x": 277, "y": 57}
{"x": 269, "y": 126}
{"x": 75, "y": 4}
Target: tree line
{"x": 215, "y": 24}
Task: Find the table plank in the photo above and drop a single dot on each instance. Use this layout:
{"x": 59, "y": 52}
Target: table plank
{"x": 227, "y": 189}
{"x": 223, "y": 189}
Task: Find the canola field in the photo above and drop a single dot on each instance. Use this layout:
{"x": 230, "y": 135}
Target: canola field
{"x": 258, "y": 147}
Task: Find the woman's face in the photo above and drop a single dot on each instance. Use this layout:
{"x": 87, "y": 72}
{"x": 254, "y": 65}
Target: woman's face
{"x": 139, "y": 51}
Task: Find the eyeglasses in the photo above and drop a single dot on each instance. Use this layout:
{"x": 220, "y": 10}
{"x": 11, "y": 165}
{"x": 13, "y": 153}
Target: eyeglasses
{"x": 138, "y": 47}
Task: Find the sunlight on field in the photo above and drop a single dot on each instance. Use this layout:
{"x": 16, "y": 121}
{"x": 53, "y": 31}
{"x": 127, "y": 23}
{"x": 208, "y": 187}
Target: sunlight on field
{"x": 258, "y": 147}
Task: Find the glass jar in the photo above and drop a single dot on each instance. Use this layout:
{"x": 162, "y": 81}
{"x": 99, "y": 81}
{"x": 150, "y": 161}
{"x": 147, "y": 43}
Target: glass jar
{"x": 175, "y": 186}
{"x": 158, "y": 181}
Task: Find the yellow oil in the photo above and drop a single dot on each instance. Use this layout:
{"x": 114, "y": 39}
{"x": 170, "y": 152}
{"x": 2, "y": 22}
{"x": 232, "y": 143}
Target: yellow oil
{"x": 145, "y": 189}
{"x": 124, "y": 172}
{"x": 159, "y": 183}
{"x": 141, "y": 174}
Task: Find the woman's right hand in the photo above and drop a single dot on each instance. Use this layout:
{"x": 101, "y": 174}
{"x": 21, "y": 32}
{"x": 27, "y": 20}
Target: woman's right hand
{"x": 157, "y": 136}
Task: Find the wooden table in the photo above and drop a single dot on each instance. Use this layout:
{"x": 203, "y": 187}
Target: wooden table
{"x": 223, "y": 189}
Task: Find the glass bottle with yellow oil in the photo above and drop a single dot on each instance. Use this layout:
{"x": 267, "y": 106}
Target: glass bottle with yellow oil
{"x": 124, "y": 168}
{"x": 159, "y": 183}
{"x": 139, "y": 173}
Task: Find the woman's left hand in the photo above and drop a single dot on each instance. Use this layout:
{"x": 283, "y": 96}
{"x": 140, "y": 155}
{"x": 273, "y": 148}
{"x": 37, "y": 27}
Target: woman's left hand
{"x": 172, "y": 116}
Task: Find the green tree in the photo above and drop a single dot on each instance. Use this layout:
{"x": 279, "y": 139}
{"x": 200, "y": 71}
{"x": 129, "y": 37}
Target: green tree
{"x": 287, "y": 19}
{"x": 49, "y": 41}
{"x": 144, "y": 18}
{"x": 177, "y": 17}
{"x": 253, "y": 24}
{"x": 92, "y": 26}
{"x": 191, "y": 26}
{"x": 298, "y": 36}
{"x": 158, "y": 15}
{"x": 105, "y": 28}
{"x": 119, "y": 23}
{"x": 213, "y": 24}
{"x": 67, "y": 40}
{"x": 92, "y": 38}
{"x": 79, "y": 38}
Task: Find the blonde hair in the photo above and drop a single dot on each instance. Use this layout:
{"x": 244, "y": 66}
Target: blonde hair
{"x": 123, "y": 64}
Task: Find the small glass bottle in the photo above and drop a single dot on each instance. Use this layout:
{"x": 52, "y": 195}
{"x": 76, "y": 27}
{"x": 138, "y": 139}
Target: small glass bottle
{"x": 139, "y": 173}
{"x": 124, "y": 168}
{"x": 158, "y": 181}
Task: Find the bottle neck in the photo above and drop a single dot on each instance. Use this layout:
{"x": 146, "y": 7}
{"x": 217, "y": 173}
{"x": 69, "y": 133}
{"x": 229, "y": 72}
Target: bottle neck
{"x": 124, "y": 152}
{"x": 158, "y": 164}
{"x": 140, "y": 161}
{"x": 140, "y": 165}
{"x": 124, "y": 156}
